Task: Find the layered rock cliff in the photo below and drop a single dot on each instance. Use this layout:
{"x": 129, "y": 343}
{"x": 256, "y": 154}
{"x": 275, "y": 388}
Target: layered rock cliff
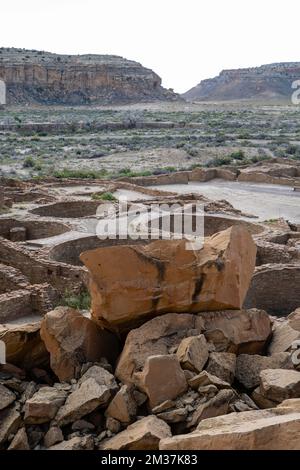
{"x": 268, "y": 82}
{"x": 37, "y": 77}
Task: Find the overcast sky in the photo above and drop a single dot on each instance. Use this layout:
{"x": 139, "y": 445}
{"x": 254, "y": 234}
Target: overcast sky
{"x": 184, "y": 41}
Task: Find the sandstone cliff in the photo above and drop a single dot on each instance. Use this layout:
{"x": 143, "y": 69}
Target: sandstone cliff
{"x": 37, "y": 77}
{"x": 268, "y": 82}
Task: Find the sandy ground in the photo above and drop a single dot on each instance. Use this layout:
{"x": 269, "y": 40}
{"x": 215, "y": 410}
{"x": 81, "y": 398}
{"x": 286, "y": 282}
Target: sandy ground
{"x": 262, "y": 200}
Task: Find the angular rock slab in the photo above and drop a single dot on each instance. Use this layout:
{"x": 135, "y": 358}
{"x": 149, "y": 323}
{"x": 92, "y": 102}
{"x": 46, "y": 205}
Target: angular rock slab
{"x": 95, "y": 389}
{"x": 73, "y": 339}
{"x": 248, "y": 367}
{"x": 192, "y": 353}
{"x": 279, "y": 385}
{"x": 7, "y": 397}
{"x": 132, "y": 283}
{"x": 141, "y": 435}
{"x": 162, "y": 379}
{"x": 274, "y": 429}
{"x": 43, "y": 405}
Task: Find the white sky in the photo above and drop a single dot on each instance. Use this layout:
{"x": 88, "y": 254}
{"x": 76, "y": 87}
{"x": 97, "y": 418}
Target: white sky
{"x": 184, "y": 41}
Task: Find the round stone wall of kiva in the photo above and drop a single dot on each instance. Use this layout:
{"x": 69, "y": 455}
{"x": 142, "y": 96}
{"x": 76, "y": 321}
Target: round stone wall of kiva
{"x": 22, "y": 230}
{"x": 68, "y": 210}
{"x": 212, "y": 224}
{"x": 69, "y": 251}
{"x": 275, "y": 288}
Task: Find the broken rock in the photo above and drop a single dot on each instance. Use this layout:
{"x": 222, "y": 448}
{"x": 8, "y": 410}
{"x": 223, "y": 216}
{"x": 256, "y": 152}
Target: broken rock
{"x": 44, "y": 405}
{"x": 279, "y": 385}
{"x": 73, "y": 339}
{"x": 20, "y": 441}
{"x": 123, "y": 407}
{"x": 216, "y": 406}
{"x": 7, "y": 397}
{"x": 248, "y": 367}
{"x": 205, "y": 378}
{"x": 192, "y": 353}
{"x": 222, "y": 365}
{"x": 162, "y": 379}
{"x": 132, "y": 283}
{"x": 156, "y": 337}
{"x": 274, "y": 429}
{"x": 95, "y": 389}
{"x": 144, "y": 434}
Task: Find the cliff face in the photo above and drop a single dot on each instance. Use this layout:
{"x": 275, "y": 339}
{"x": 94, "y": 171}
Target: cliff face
{"x": 36, "y": 77}
{"x": 268, "y": 82}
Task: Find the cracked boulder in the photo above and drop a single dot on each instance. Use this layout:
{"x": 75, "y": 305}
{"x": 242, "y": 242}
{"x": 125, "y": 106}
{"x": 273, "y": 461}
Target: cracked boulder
{"x": 129, "y": 284}
{"x": 73, "y": 339}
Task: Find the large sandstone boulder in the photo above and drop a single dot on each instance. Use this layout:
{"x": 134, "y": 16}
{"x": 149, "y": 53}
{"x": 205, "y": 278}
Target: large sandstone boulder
{"x": 24, "y": 346}
{"x": 242, "y": 331}
{"x": 73, "y": 339}
{"x": 245, "y": 330}
{"x": 141, "y": 435}
{"x": 274, "y": 429}
{"x": 132, "y": 283}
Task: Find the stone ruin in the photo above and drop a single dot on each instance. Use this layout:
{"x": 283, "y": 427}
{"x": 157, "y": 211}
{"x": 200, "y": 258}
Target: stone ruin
{"x": 218, "y": 327}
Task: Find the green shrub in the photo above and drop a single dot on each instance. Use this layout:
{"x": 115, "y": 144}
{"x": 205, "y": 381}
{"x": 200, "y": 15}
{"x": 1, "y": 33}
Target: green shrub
{"x": 104, "y": 197}
{"x": 238, "y": 155}
{"x": 28, "y": 162}
{"x": 81, "y": 301}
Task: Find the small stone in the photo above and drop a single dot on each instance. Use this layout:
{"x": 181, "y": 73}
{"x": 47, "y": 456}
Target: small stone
{"x": 192, "y": 353}
{"x": 123, "y": 406}
{"x": 113, "y": 425}
{"x": 222, "y": 365}
{"x": 82, "y": 425}
{"x": 208, "y": 391}
{"x": 205, "y": 378}
{"x": 20, "y": 441}
{"x": 75, "y": 443}
{"x": 10, "y": 420}
{"x": 6, "y": 397}
{"x": 164, "y": 406}
{"x": 175, "y": 416}
{"x": 217, "y": 406}
{"x": 53, "y": 436}
{"x": 44, "y": 405}
{"x": 261, "y": 401}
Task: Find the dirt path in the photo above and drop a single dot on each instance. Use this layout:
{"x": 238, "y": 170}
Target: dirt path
{"x": 266, "y": 201}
